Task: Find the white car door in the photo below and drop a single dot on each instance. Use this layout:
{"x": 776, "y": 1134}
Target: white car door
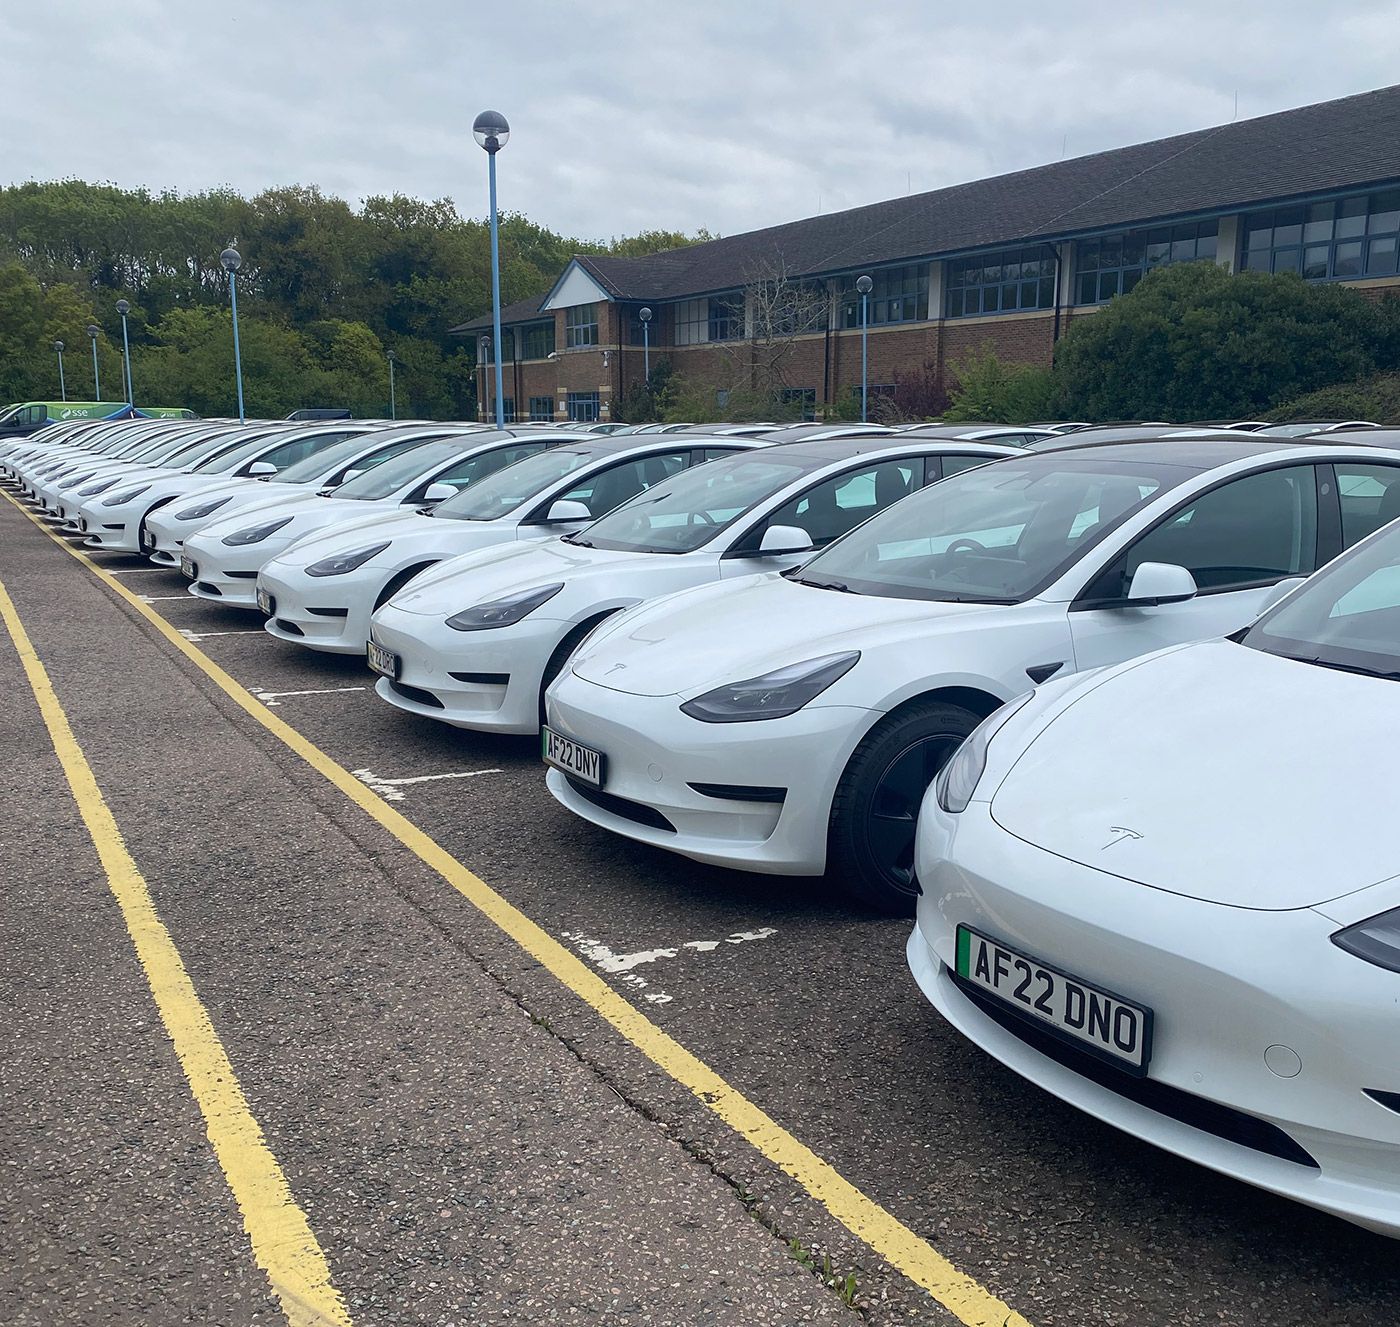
{"x": 1237, "y": 540}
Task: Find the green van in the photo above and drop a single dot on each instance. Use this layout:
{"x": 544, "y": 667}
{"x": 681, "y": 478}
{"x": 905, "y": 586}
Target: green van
{"x": 29, "y": 416}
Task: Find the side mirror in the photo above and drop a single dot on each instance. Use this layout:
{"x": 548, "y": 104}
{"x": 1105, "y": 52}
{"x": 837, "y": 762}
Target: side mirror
{"x": 439, "y": 492}
{"x": 1160, "y": 583}
{"x": 784, "y": 539}
{"x": 350, "y": 474}
{"x": 568, "y": 510}
{"x": 1280, "y": 591}
{"x": 261, "y": 469}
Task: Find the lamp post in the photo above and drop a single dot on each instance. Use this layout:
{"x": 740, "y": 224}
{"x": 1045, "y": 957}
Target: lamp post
{"x": 484, "y": 359}
{"x": 62, "y": 387}
{"x": 393, "y": 404}
{"x": 231, "y": 260}
{"x": 864, "y": 285}
{"x": 491, "y": 132}
{"x": 92, "y": 331}
{"x": 645, "y": 315}
{"x": 124, "y": 308}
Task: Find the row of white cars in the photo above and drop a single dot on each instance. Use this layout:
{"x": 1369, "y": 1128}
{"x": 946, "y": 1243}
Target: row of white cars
{"x": 1086, "y": 703}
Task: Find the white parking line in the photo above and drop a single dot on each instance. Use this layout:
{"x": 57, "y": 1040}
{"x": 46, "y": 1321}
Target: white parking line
{"x": 164, "y": 598}
{"x": 391, "y": 790}
{"x": 131, "y": 571}
{"x": 272, "y": 697}
{"x": 621, "y": 965}
{"x": 207, "y": 635}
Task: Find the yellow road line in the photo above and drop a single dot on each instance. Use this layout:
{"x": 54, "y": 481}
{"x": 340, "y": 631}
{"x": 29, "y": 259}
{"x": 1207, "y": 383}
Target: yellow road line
{"x": 966, "y": 1298}
{"x": 283, "y": 1244}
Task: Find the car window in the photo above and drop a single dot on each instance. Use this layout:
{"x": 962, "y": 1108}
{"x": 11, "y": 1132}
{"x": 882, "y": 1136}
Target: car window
{"x": 1250, "y": 531}
{"x": 953, "y": 465}
{"x": 299, "y": 449}
{"x": 465, "y": 473}
{"x": 1369, "y": 497}
{"x": 838, "y": 505}
{"x": 606, "y": 489}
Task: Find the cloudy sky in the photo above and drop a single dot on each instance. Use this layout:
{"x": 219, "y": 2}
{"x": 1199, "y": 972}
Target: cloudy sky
{"x": 729, "y": 114}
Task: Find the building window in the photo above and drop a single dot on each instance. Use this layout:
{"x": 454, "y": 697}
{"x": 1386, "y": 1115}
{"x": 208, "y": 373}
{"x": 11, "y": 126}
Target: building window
{"x": 803, "y": 397}
{"x": 899, "y": 295}
{"x": 537, "y": 342}
{"x": 711, "y": 318}
{"x": 1340, "y": 239}
{"x": 1001, "y": 282}
{"x": 488, "y": 351}
{"x": 721, "y": 398}
{"x": 508, "y": 409}
{"x": 583, "y": 406}
{"x": 1112, "y": 265}
{"x": 581, "y": 326}
{"x": 541, "y": 407}
{"x": 635, "y": 336}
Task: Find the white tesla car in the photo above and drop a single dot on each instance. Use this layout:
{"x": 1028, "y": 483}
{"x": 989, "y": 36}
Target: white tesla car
{"x": 322, "y": 591}
{"x": 53, "y": 476}
{"x": 116, "y": 520}
{"x": 319, "y": 473}
{"x": 790, "y": 723}
{"x": 1165, "y": 892}
{"x": 475, "y": 640}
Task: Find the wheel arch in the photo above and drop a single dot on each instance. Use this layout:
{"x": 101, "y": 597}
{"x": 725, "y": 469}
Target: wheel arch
{"x": 399, "y": 579}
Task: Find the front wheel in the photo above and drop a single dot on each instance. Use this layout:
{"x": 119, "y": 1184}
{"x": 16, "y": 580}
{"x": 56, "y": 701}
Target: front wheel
{"x": 876, "y": 809}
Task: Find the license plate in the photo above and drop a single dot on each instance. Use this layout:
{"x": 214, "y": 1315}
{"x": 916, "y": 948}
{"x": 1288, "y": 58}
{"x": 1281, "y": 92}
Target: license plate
{"x": 266, "y": 603}
{"x": 1085, "y": 1015}
{"x": 188, "y": 567}
{"x": 583, "y": 762}
{"x": 383, "y": 661}
{"x": 148, "y": 537}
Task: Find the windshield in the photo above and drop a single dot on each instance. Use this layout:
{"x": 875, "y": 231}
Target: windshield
{"x": 507, "y": 489}
{"x": 1346, "y": 617}
{"x": 310, "y": 468}
{"x": 691, "y": 509}
{"x": 995, "y": 534}
{"x": 153, "y": 452}
{"x": 222, "y": 462}
{"x": 383, "y": 481}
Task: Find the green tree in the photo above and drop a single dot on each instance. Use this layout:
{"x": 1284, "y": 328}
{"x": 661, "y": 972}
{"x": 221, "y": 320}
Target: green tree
{"x": 1192, "y": 341}
{"x": 984, "y": 388}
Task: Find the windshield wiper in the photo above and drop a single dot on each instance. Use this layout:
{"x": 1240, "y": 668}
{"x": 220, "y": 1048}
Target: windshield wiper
{"x": 574, "y": 539}
{"x": 1385, "y": 674}
{"x": 839, "y": 586}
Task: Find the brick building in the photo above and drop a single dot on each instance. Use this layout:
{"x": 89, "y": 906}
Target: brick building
{"x": 1008, "y": 263}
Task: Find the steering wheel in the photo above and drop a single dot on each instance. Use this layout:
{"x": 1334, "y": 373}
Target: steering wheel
{"x": 964, "y": 545}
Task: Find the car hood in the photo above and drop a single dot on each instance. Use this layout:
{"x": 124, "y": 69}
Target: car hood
{"x": 729, "y": 630}
{"x": 1219, "y": 773}
{"x": 489, "y": 573}
{"x": 337, "y": 525}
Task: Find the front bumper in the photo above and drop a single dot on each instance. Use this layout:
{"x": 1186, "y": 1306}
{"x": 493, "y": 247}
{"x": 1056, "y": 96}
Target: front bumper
{"x": 655, "y": 755}
{"x": 330, "y": 613}
{"x": 1226, "y": 985}
{"x": 486, "y": 680}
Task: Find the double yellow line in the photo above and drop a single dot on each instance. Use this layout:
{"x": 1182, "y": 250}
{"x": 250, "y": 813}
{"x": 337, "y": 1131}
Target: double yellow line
{"x": 283, "y": 1243}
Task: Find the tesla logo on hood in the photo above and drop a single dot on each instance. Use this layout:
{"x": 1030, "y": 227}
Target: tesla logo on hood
{"x": 616, "y": 668}
{"x": 1121, "y": 832}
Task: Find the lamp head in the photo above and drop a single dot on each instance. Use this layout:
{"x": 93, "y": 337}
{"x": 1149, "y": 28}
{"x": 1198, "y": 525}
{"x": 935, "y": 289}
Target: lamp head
{"x": 231, "y": 260}
{"x": 644, "y": 315}
{"x": 491, "y": 131}
{"x": 93, "y": 330}
{"x": 58, "y": 346}
{"x": 865, "y": 285}
{"x": 392, "y": 356}
{"x": 123, "y": 307}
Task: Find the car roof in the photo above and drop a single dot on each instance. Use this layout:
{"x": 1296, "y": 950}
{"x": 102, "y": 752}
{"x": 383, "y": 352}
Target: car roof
{"x": 821, "y": 451}
{"x": 1207, "y": 452}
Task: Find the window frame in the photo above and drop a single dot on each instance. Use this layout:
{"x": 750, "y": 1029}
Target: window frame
{"x": 581, "y": 326}
{"x": 881, "y": 298}
{"x": 572, "y": 399}
{"x": 1363, "y": 238}
{"x": 1143, "y": 238}
{"x": 537, "y": 333}
{"x": 534, "y": 405}
{"x": 955, "y": 292}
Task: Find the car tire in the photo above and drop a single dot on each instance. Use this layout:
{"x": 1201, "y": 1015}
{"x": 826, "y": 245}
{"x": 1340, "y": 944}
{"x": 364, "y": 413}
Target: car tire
{"x": 870, "y": 847}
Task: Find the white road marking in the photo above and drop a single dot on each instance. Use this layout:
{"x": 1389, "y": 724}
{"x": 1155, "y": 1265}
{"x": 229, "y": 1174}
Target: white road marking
{"x": 131, "y": 571}
{"x": 164, "y": 598}
{"x": 205, "y": 635}
{"x": 621, "y": 965}
{"x": 270, "y": 698}
{"x": 391, "y": 790}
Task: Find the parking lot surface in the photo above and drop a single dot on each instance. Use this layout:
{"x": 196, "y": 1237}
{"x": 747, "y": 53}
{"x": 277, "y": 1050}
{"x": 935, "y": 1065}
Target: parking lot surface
{"x": 468, "y": 1129}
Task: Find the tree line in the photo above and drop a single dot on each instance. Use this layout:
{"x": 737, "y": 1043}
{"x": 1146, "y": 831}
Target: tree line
{"x": 324, "y": 292}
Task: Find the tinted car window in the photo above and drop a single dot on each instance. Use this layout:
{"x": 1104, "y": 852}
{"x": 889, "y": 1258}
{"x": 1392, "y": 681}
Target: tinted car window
{"x": 465, "y": 473}
{"x": 609, "y": 488}
{"x": 838, "y": 505}
{"x": 1369, "y": 497}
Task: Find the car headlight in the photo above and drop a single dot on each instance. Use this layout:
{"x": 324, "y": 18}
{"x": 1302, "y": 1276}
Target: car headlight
{"x": 958, "y": 779}
{"x": 203, "y": 509}
{"x": 1377, "y": 940}
{"x": 117, "y": 499}
{"x": 255, "y": 534}
{"x": 503, "y": 612}
{"x": 92, "y": 490}
{"x": 773, "y": 695}
{"x": 343, "y": 562}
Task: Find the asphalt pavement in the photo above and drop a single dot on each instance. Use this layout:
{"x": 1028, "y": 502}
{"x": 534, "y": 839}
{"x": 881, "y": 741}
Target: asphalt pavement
{"x": 468, "y": 1139}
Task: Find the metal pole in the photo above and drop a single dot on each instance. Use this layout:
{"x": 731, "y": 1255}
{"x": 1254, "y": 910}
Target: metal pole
{"x": 496, "y": 294}
{"x": 646, "y": 352}
{"x": 62, "y": 387}
{"x": 96, "y": 377}
{"x": 393, "y": 405}
{"x": 237, "y": 352}
{"x": 126, "y": 361}
{"x": 864, "y": 356}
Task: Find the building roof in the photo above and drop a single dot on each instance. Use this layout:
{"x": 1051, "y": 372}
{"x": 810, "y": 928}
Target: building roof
{"x": 1337, "y": 145}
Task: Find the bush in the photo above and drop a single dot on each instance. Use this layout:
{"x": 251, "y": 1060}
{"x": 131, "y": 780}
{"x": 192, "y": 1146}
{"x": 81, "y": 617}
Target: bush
{"x": 1192, "y": 341}
{"x": 985, "y": 389}
{"x": 1376, "y": 398}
